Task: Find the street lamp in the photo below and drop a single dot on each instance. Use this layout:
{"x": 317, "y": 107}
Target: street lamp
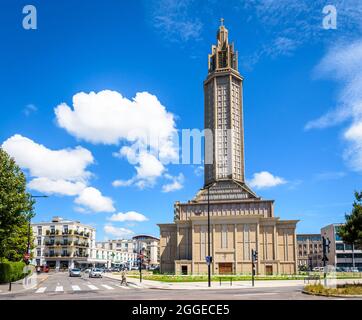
{"x": 209, "y": 258}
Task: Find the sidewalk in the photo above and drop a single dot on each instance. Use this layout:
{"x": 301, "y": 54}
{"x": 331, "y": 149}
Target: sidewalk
{"x": 23, "y": 284}
{"x": 150, "y": 284}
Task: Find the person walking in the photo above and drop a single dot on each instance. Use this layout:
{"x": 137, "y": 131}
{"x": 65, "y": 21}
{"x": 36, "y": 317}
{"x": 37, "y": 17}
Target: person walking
{"x": 124, "y": 277}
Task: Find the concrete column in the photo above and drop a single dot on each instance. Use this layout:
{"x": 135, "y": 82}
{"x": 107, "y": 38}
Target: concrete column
{"x": 257, "y": 247}
{"x": 235, "y": 250}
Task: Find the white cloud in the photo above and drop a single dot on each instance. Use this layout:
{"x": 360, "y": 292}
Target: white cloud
{"x": 93, "y": 199}
{"x": 174, "y": 20}
{"x": 176, "y": 184}
{"x": 264, "y": 180}
{"x": 128, "y": 216}
{"x": 120, "y": 233}
{"x": 199, "y": 171}
{"x": 29, "y": 109}
{"x": 60, "y": 172}
{"x": 109, "y": 118}
{"x": 69, "y": 164}
{"x": 343, "y": 63}
{"x": 60, "y": 186}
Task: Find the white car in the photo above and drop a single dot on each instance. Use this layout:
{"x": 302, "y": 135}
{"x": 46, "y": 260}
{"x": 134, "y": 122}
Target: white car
{"x": 95, "y": 273}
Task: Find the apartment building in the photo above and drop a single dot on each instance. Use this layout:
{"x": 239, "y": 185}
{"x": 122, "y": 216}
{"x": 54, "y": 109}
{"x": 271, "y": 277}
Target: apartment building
{"x": 342, "y": 255}
{"x": 149, "y": 246}
{"x": 62, "y": 244}
{"x": 310, "y": 251}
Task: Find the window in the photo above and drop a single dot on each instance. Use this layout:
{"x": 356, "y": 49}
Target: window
{"x": 224, "y": 238}
{"x": 39, "y": 241}
{"x": 38, "y": 253}
{"x": 40, "y": 230}
{"x": 340, "y": 246}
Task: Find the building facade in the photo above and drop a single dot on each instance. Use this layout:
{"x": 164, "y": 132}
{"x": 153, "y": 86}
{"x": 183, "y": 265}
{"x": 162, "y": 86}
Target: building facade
{"x": 239, "y": 220}
{"x": 63, "y": 244}
{"x": 118, "y": 253}
{"x": 310, "y": 251}
{"x": 149, "y": 247}
{"x": 342, "y": 255}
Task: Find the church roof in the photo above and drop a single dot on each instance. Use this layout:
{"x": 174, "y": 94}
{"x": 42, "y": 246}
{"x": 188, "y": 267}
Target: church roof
{"x": 226, "y": 190}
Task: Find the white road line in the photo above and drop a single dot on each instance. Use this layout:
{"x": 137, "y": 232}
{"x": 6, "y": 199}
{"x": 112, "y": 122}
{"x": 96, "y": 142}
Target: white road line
{"x": 107, "y": 287}
{"x": 121, "y": 286}
{"x": 41, "y": 290}
{"x": 255, "y": 294}
{"x": 59, "y": 288}
{"x": 92, "y": 287}
{"x": 76, "y": 288}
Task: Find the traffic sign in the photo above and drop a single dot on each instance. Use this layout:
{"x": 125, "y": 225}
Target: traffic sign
{"x": 208, "y": 259}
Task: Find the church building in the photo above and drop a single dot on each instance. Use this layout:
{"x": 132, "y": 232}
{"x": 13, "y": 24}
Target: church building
{"x": 239, "y": 221}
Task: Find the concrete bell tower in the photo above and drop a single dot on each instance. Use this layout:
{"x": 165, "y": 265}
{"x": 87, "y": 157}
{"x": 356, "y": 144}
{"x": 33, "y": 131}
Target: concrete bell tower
{"x": 223, "y": 93}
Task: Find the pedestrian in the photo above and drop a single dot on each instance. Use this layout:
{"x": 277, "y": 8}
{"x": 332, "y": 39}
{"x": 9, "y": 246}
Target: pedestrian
{"x": 124, "y": 277}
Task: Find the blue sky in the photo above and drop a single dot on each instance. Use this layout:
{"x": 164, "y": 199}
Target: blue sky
{"x": 302, "y": 104}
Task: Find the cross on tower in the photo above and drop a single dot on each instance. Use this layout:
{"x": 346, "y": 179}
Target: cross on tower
{"x": 222, "y": 21}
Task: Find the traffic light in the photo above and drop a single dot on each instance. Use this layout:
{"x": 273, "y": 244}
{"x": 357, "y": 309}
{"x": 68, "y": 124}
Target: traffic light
{"x": 254, "y": 255}
{"x": 328, "y": 245}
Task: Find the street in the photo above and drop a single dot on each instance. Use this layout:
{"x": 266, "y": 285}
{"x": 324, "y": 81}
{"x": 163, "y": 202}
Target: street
{"x": 59, "y": 286}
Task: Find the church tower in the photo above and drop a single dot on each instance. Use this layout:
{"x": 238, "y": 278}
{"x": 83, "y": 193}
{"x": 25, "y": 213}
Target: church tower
{"x": 224, "y": 113}
{"x": 226, "y": 219}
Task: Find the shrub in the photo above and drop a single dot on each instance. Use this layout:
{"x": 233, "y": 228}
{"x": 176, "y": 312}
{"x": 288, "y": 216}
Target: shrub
{"x": 11, "y": 271}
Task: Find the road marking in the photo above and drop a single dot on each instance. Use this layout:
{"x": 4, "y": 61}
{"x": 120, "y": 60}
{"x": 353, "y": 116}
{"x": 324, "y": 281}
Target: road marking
{"x": 41, "y": 290}
{"x": 121, "y": 286}
{"x": 59, "y": 288}
{"x": 107, "y": 287}
{"x": 92, "y": 287}
{"x": 255, "y": 294}
{"x": 76, "y": 288}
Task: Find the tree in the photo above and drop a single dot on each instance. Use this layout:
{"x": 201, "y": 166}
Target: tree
{"x": 351, "y": 231}
{"x": 16, "y": 209}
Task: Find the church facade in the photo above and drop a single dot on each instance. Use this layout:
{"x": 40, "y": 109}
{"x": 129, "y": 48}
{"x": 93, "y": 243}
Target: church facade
{"x": 239, "y": 220}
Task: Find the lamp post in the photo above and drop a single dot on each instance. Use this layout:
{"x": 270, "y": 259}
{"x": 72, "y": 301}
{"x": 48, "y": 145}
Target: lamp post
{"x": 208, "y": 238}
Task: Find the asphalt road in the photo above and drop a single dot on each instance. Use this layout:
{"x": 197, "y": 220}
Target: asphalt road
{"x": 59, "y": 286}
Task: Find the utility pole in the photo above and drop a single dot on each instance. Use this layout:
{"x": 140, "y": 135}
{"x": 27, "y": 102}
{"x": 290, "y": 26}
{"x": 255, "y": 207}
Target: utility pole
{"x": 208, "y": 238}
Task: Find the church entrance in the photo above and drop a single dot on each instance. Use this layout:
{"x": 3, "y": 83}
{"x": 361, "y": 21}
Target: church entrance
{"x": 269, "y": 270}
{"x": 225, "y": 268}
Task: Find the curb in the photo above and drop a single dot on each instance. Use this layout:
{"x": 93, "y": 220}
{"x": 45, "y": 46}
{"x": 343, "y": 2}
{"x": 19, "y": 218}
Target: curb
{"x": 331, "y": 295}
{"x": 24, "y": 290}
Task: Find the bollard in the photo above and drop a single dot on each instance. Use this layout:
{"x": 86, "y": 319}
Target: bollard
{"x": 220, "y": 281}
{"x": 10, "y": 286}
{"x": 231, "y": 282}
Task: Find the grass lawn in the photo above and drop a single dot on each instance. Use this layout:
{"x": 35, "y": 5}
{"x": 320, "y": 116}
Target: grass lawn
{"x": 346, "y": 289}
{"x": 217, "y": 278}
{"x": 202, "y": 278}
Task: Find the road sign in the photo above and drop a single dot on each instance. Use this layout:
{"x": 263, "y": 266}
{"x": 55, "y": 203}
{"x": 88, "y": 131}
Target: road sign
{"x": 26, "y": 256}
{"x": 208, "y": 259}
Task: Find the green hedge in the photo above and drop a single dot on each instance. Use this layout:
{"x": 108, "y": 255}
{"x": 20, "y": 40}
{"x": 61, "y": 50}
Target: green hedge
{"x": 11, "y": 271}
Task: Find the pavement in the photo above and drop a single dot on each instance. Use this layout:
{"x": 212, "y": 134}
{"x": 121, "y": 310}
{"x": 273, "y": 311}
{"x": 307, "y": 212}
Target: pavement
{"x": 59, "y": 286}
{"x": 151, "y": 284}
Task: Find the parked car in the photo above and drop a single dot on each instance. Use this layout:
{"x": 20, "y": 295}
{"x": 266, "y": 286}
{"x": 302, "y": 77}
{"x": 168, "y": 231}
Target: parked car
{"x": 134, "y": 268}
{"x": 75, "y": 272}
{"x": 87, "y": 270}
{"x": 354, "y": 270}
{"x": 95, "y": 273}
{"x": 44, "y": 268}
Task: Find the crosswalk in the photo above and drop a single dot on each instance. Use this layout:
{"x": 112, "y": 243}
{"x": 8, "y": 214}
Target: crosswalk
{"x": 84, "y": 287}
